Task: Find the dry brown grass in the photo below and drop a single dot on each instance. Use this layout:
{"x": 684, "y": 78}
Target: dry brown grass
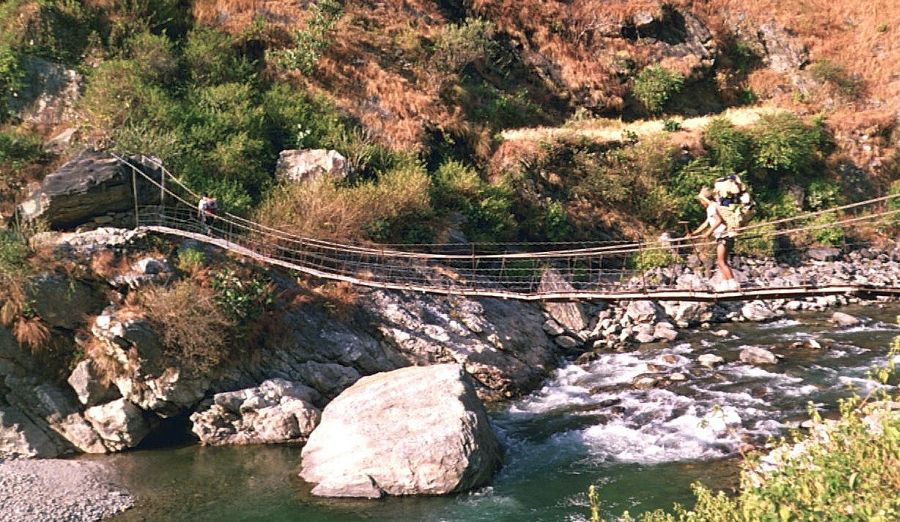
{"x": 322, "y": 209}
{"x": 193, "y": 329}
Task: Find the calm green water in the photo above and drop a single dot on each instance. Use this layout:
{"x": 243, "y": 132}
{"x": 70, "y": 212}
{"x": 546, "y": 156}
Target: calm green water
{"x": 643, "y": 452}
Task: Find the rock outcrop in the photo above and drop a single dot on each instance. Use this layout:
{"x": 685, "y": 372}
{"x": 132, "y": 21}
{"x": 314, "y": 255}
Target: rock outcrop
{"x": 300, "y": 166}
{"x": 119, "y": 423}
{"x": 275, "y": 411}
{"x": 48, "y": 95}
{"x": 417, "y": 430}
{"x": 91, "y": 184}
{"x": 757, "y": 355}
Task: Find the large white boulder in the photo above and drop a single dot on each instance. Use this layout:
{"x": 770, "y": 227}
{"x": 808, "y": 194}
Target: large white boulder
{"x": 119, "y": 423}
{"x": 416, "y": 430}
{"x": 304, "y": 165}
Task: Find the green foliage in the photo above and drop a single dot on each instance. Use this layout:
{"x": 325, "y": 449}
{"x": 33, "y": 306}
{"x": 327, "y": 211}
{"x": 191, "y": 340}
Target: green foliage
{"x": 655, "y": 85}
{"x": 155, "y": 57}
{"x": 488, "y": 208}
{"x": 728, "y": 147}
{"x": 212, "y": 58}
{"x": 191, "y": 260}
{"x": 242, "y": 299}
{"x": 686, "y": 183}
{"x": 822, "y": 194}
{"x": 458, "y": 45}
{"x": 826, "y": 71}
{"x": 17, "y": 149}
{"x": 295, "y": 119}
{"x": 756, "y": 243}
{"x": 651, "y": 258}
{"x": 823, "y": 233}
{"x": 783, "y": 143}
{"x": 670, "y": 125}
{"x": 485, "y": 103}
{"x": 11, "y": 76}
{"x": 14, "y": 253}
{"x": 310, "y": 43}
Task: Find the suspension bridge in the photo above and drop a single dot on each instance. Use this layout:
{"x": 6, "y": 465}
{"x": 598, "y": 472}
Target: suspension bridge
{"x": 523, "y": 271}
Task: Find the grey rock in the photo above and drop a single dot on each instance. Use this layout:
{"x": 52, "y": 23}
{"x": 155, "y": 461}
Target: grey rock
{"x": 642, "y": 311}
{"x": 63, "y": 302}
{"x": 300, "y": 166}
{"x": 553, "y": 328}
{"x": 757, "y": 311}
{"x": 665, "y": 331}
{"x": 90, "y": 386}
{"x": 783, "y": 52}
{"x": 569, "y": 315}
{"x": 757, "y": 355}
{"x": 844, "y": 320}
{"x": 567, "y": 342}
{"x": 710, "y": 359}
{"x": 92, "y": 184}
{"x": 417, "y": 430}
{"x": 49, "y": 95}
{"x": 276, "y": 411}
{"x": 119, "y": 423}
{"x": 677, "y": 377}
{"x": 21, "y": 438}
{"x": 823, "y": 253}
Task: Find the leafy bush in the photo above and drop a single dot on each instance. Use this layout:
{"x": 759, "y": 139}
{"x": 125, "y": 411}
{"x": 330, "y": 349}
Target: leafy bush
{"x": 310, "y": 43}
{"x": 651, "y": 258}
{"x": 826, "y": 71}
{"x": 655, "y": 85}
{"x": 17, "y": 149}
{"x": 242, "y": 299}
{"x": 822, "y": 194}
{"x": 11, "y": 76}
{"x": 191, "y": 260}
{"x": 193, "y": 328}
{"x": 758, "y": 242}
{"x": 670, "y": 125}
{"x": 155, "y": 57}
{"x": 729, "y": 147}
{"x": 686, "y": 183}
{"x": 488, "y": 208}
{"x": 212, "y": 58}
{"x": 782, "y": 142}
{"x": 458, "y": 45}
{"x": 824, "y": 234}
{"x": 118, "y": 93}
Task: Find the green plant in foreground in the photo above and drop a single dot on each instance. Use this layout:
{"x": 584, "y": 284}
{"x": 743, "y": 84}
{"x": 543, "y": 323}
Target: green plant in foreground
{"x": 191, "y": 260}
{"x": 241, "y": 299}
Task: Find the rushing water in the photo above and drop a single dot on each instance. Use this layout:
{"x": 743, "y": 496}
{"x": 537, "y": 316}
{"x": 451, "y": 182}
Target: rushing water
{"x": 587, "y": 425}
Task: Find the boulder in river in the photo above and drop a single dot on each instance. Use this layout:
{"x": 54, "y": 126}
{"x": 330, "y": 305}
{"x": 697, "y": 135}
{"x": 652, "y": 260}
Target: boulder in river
{"x": 844, "y": 320}
{"x": 710, "y": 359}
{"x": 119, "y": 423}
{"x": 757, "y": 355}
{"x": 757, "y": 311}
{"x": 642, "y": 311}
{"x": 569, "y": 315}
{"x": 416, "y": 430}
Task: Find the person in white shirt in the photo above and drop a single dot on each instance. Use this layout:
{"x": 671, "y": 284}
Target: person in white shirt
{"x": 716, "y": 227}
{"x": 207, "y": 207}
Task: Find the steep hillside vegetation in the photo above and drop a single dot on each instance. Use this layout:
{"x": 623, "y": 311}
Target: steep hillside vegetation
{"x": 435, "y": 106}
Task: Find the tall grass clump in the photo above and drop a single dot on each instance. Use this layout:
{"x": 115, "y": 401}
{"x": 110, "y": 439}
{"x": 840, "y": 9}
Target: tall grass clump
{"x": 16, "y": 311}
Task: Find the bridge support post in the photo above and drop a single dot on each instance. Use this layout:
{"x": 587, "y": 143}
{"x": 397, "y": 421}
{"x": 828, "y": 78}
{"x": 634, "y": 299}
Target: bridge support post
{"x": 134, "y": 191}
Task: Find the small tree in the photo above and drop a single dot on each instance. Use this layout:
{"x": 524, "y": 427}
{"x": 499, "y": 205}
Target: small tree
{"x": 655, "y": 85}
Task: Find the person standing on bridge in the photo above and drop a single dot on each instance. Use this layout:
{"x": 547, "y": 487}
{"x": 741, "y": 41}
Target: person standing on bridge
{"x": 207, "y": 206}
{"x": 716, "y": 226}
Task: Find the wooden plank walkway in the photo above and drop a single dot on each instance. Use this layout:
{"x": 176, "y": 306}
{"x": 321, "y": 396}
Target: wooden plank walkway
{"x": 747, "y": 294}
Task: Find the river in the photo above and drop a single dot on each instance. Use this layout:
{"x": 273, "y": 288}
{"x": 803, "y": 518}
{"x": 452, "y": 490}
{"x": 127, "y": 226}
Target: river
{"x": 587, "y": 425}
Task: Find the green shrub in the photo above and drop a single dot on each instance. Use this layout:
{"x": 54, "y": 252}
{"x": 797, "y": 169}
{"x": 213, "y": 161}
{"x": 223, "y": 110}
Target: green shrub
{"x": 670, "y": 125}
{"x": 686, "y": 183}
{"x": 651, "y": 258}
{"x": 458, "y": 45}
{"x": 118, "y": 93}
{"x": 242, "y": 299}
{"x": 824, "y": 234}
{"x": 14, "y": 252}
{"x": 295, "y": 119}
{"x": 488, "y": 208}
{"x": 655, "y": 85}
{"x": 826, "y": 71}
{"x": 191, "y": 260}
{"x": 310, "y": 43}
{"x": 212, "y": 58}
{"x": 11, "y": 76}
{"x": 729, "y": 147}
{"x": 782, "y": 142}
{"x": 758, "y": 242}
{"x": 154, "y": 57}
{"x": 822, "y": 194}
{"x": 17, "y": 149}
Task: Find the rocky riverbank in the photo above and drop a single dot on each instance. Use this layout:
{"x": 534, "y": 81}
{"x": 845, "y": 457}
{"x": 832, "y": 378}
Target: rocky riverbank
{"x": 60, "y": 490}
